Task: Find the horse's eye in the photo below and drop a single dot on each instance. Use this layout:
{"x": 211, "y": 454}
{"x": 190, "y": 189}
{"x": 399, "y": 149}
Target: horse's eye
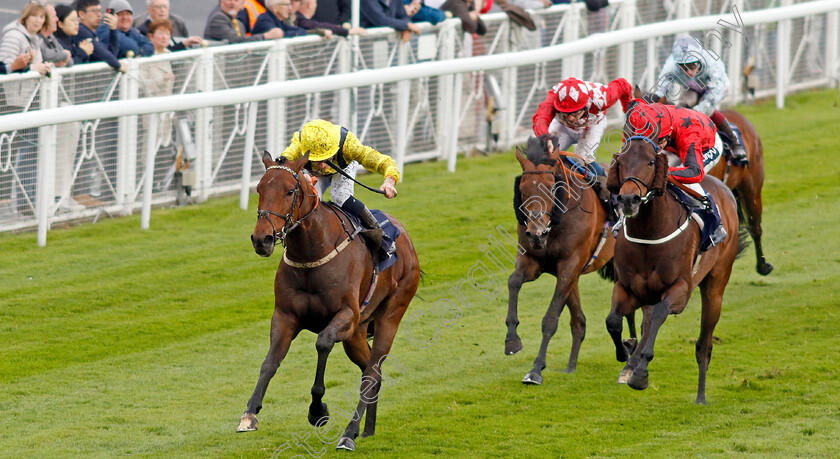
{"x": 651, "y": 162}
{"x": 291, "y": 192}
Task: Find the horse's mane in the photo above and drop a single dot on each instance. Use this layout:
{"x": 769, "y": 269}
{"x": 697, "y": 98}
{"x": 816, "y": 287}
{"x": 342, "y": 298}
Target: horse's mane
{"x": 537, "y": 151}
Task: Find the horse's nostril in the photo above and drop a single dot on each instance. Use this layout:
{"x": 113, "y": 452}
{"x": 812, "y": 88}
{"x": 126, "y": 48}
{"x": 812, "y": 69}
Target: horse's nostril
{"x": 268, "y": 241}
{"x": 637, "y": 199}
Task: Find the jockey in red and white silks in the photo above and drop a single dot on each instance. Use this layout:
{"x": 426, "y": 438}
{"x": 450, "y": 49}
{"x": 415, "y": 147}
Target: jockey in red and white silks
{"x": 575, "y": 112}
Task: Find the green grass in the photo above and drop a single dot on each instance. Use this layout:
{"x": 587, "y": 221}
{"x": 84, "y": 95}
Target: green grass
{"x": 118, "y": 341}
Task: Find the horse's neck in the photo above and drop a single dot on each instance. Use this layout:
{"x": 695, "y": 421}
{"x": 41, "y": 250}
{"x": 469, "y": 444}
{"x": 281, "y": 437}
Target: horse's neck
{"x": 658, "y": 218}
{"x": 314, "y": 235}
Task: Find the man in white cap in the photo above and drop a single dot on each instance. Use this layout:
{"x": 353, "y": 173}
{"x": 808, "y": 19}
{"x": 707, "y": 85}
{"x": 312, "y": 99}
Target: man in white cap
{"x": 131, "y": 42}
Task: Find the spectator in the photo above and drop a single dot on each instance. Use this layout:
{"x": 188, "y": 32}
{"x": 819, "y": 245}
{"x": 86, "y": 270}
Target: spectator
{"x": 90, "y": 16}
{"x": 465, "y": 11}
{"x": 223, "y": 25}
{"x": 388, "y": 13}
{"x": 67, "y": 34}
{"x": 22, "y": 38}
{"x": 304, "y": 16}
{"x": 159, "y": 9}
{"x": 418, "y": 11}
{"x": 158, "y": 80}
{"x": 275, "y": 17}
{"x": 128, "y": 37}
{"x": 333, "y": 12}
{"x": 51, "y": 48}
{"x": 250, "y": 13}
{"x": 19, "y": 63}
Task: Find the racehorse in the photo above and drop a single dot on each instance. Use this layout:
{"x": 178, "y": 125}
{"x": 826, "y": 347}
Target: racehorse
{"x": 657, "y": 261}
{"x": 745, "y": 181}
{"x": 320, "y": 286}
{"x": 561, "y": 227}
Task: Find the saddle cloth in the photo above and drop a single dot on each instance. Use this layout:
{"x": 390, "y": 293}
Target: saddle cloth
{"x": 387, "y": 251}
{"x": 708, "y": 216}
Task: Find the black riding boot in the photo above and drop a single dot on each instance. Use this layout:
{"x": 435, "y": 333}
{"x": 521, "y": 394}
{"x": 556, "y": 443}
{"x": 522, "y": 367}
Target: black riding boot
{"x": 719, "y": 234}
{"x": 739, "y": 154}
{"x": 373, "y": 229}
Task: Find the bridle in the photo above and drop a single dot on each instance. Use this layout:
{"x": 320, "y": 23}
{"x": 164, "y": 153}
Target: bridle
{"x": 289, "y": 221}
{"x": 537, "y": 214}
{"x": 651, "y": 193}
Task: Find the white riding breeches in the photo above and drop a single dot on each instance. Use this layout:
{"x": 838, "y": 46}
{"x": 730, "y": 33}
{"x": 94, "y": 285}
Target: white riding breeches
{"x": 586, "y": 142}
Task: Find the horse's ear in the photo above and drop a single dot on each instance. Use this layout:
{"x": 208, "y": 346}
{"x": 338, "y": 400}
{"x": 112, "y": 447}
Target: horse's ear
{"x": 521, "y": 158}
{"x": 267, "y": 160}
{"x": 298, "y": 164}
{"x": 637, "y": 93}
{"x": 660, "y": 174}
{"x": 613, "y": 180}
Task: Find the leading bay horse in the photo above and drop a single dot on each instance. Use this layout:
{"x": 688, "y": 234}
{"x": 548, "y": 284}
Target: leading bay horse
{"x": 656, "y": 257}
{"x": 320, "y": 285}
{"x": 561, "y": 224}
{"x": 744, "y": 181}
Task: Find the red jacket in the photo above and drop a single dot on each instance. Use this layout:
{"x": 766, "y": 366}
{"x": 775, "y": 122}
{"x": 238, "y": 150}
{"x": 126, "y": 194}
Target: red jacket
{"x": 601, "y": 97}
{"x": 692, "y": 133}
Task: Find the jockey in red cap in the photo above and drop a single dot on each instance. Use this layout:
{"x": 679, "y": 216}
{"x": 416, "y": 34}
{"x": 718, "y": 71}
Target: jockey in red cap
{"x": 686, "y": 133}
{"x": 575, "y": 113}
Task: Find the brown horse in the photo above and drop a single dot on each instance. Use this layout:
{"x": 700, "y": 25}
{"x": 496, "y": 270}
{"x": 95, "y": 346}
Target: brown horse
{"x": 320, "y": 285}
{"x": 565, "y": 222}
{"x": 660, "y": 265}
{"x": 744, "y": 181}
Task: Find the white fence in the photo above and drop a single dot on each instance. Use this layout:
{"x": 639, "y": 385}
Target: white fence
{"x": 105, "y": 139}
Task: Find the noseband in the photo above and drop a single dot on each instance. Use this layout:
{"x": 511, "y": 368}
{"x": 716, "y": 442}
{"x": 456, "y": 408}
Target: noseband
{"x": 289, "y": 222}
{"x": 651, "y": 193}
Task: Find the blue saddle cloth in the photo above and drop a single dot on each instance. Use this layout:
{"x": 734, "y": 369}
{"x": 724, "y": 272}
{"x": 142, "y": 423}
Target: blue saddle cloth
{"x": 387, "y": 252}
{"x": 709, "y": 215}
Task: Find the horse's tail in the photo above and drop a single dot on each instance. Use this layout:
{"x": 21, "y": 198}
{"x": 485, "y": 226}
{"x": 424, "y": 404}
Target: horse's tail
{"x": 743, "y": 240}
{"x": 422, "y": 280}
{"x": 607, "y": 271}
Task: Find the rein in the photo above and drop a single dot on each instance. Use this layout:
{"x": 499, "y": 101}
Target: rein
{"x": 288, "y": 218}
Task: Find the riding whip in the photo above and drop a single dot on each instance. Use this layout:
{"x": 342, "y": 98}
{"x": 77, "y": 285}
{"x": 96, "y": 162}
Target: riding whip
{"x": 338, "y": 169}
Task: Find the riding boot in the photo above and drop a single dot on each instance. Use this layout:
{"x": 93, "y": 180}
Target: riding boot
{"x": 719, "y": 234}
{"x": 739, "y": 154}
{"x": 374, "y": 229}
{"x": 600, "y": 186}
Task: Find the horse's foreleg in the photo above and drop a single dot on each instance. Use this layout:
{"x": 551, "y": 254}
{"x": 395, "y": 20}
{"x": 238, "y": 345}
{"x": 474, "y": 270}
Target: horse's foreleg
{"x": 371, "y": 383}
{"x": 526, "y": 271}
{"x": 623, "y": 305}
{"x": 549, "y": 327}
{"x": 283, "y": 330}
{"x": 673, "y": 301}
{"x": 711, "y": 290}
{"x": 578, "y": 325}
{"x": 340, "y": 328}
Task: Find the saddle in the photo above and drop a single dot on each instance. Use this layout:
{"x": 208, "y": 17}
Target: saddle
{"x": 385, "y": 252}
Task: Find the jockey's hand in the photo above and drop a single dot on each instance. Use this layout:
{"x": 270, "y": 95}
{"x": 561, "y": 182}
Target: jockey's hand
{"x": 389, "y": 187}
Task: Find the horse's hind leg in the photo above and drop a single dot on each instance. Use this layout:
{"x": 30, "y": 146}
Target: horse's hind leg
{"x": 283, "y": 331}
{"x": 749, "y": 200}
{"x": 358, "y": 350}
{"x": 526, "y": 271}
{"x": 340, "y": 328}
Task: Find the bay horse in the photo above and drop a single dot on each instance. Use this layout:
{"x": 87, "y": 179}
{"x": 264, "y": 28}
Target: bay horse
{"x": 561, "y": 224}
{"x": 656, "y": 259}
{"x": 744, "y": 181}
{"x": 320, "y": 285}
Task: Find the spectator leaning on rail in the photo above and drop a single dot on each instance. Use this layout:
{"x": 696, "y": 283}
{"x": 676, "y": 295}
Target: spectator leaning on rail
{"x": 67, "y": 34}
{"x": 129, "y": 38}
{"x": 324, "y": 141}
{"x": 223, "y": 25}
{"x": 465, "y": 11}
{"x": 159, "y": 10}
{"x": 304, "y": 16}
{"x": 51, "y": 48}
{"x": 690, "y": 66}
{"x": 575, "y": 112}
{"x": 90, "y": 17}
{"x": 251, "y": 10}
{"x": 388, "y": 13}
{"x": 333, "y": 12}
{"x": 275, "y": 17}
{"x": 418, "y": 11}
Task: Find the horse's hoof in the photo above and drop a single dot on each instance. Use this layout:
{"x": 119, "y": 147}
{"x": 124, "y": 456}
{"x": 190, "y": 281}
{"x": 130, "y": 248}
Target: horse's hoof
{"x": 764, "y": 268}
{"x": 625, "y": 375}
{"x": 638, "y": 380}
{"x": 321, "y": 416}
{"x": 532, "y": 379}
{"x": 247, "y": 423}
{"x": 346, "y": 443}
{"x": 629, "y": 345}
{"x": 513, "y": 346}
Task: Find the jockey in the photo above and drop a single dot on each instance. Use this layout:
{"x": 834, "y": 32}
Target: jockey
{"x": 686, "y": 133}
{"x": 327, "y": 141}
{"x": 575, "y": 113}
{"x": 690, "y": 66}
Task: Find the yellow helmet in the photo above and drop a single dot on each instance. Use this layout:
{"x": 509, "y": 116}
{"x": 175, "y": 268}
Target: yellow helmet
{"x": 320, "y": 138}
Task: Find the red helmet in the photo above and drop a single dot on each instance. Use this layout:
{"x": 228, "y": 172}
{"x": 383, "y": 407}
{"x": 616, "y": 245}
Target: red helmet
{"x": 650, "y": 120}
{"x": 572, "y": 95}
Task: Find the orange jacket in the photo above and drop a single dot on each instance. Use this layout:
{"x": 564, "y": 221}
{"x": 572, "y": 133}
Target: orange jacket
{"x": 254, "y": 9}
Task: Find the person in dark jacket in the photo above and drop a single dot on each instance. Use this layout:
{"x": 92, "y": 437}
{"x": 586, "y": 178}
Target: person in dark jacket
{"x": 333, "y": 12}
{"x": 223, "y": 25}
{"x": 131, "y": 42}
{"x": 306, "y": 12}
{"x": 276, "y": 14}
{"x": 67, "y": 34}
{"x": 388, "y": 13}
{"x": 90, "y": 16}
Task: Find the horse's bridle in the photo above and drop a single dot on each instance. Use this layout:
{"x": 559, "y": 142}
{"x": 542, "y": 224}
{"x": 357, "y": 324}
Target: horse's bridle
{"x": 538, "y": 214}
{"x": 288, "y": 218}
{"x": 651, "y": 193}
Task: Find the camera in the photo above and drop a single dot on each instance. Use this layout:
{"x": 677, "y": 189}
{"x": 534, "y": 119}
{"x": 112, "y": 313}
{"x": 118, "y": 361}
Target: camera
{"x": 110, "y": 11}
